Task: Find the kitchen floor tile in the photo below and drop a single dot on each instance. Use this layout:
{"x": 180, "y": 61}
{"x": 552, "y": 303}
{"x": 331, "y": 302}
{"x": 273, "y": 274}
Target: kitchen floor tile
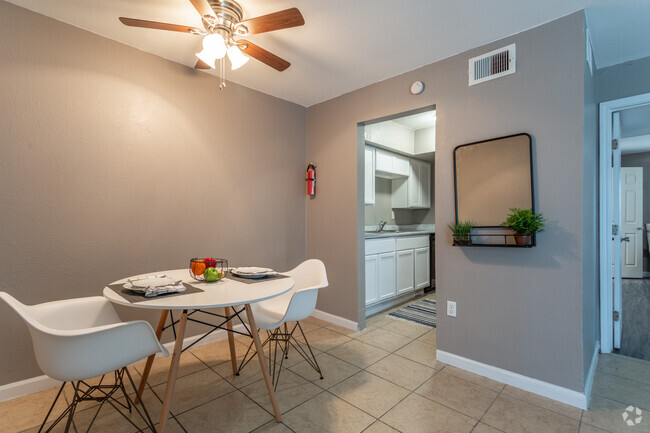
{"x": 429, "y": 338}
{"x": 383, "y": 339}
{"x": 544, "y": 402}
{"x": 484, "y": 428}
{"x": 417, "y": 414}
{"x": 514, "y": 416}
{"x": 28, "y": 411}
{"x": 334, "y": 370}
{"x": 419, "y": 352}
{"x": 369, "y": 393}
{"x": 474, "y": 378}
{"x": 637, "y": 370}
{"x": 404, "y": 372}
{"x": 380, "y": 427}
{"x": 327, "y": 413}
{"x": 608, "y": 415}
{"x": 160, "y": 368}
{"x": 324, "y": 339}
{"x": 407, "y": 329}
{"x": 456, "y": 393}
{"x": 215, "y": 353}
{"x": 291, "y": 391}
{"x": 622, "y": 390}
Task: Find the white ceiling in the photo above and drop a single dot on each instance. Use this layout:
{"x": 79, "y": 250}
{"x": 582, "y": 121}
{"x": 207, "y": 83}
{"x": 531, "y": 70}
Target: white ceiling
{"x": 418, "y": 121}
{"x": 346, "y": 45}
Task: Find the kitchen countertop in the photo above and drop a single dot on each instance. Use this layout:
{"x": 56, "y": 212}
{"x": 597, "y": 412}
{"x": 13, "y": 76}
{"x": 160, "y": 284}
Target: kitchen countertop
{"x": 389, "y": 234}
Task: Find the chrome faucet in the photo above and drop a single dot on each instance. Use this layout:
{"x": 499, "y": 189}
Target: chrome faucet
{"x": 381, "y": 225}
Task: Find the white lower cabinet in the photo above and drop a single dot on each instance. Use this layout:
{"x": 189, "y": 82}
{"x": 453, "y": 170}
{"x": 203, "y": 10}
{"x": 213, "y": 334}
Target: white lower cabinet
{"x": 405, "y": 271}
{"x": 422, "y": 276}
{"x": 386, "y": 276}
{"x": 396, "y": 266}
{"x": 372, "y": 295}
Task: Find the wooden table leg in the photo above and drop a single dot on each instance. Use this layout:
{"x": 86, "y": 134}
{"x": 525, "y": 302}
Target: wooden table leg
{"x": 173, "y": 372}
{"x": 231, "y": 342}
{"x": 260, "y": 357}
{"x": 147, "y": 366}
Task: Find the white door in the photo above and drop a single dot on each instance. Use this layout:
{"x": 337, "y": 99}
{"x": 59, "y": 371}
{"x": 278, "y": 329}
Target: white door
{"x": 405, "y": 271}
{"x": 616, "y": 221}
{"x": 386, "y": 276}
{"x": 372, "y": 294}
{"x": 632, "y": 222}
{"x": 422, "y": 274}
{"x": 369, "y": 176}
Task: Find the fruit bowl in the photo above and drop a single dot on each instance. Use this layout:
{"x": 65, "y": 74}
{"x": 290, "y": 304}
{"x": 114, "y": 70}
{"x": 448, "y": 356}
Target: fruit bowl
{"x": 208, "y": 269}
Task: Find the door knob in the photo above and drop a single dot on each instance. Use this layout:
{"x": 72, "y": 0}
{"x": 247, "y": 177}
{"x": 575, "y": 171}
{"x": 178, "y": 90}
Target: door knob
{"x": 625, "y": 239}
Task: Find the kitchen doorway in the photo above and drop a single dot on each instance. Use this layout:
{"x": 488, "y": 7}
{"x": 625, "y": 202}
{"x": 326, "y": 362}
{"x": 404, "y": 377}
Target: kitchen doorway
{"x": 624, "y": 224}
{"x": 399, "y": 211}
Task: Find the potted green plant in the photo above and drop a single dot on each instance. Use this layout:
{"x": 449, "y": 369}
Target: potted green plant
{"x": 525, "y": 223}
{"x": 462, "y": 232}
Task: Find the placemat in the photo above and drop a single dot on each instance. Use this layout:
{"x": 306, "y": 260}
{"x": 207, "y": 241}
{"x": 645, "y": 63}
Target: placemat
{"x": 234, "y": 277}
{"x": 134, "y": 297}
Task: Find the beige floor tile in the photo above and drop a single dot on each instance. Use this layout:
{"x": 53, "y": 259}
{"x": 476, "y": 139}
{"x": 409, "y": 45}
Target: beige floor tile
{"x": 384, "y": 339}
{"x": 404, "y": 372}
{"x": 378, "y": 320}
{"x": 475, "y": 378}
{"x": 217, "y": 352}
{"x": 291, "y": 391}
{"x": 419, "y": 352}
{"x": 341, "y": 330}
{"x": 358, "y": 353}
{"x": 195, "y": 389}
{"x": 405, "y": 328}
{"x": 308, "y": 326}
{"x": 586, "y": 428}
{"x": 327, "y": 413}
{"x": 484, "y": 428}
{"x": 623, "y": 390}
{"x": 370, "y": 393}
{"x": 109, "y": 379}
{"x": 380, "y": 427}
{"x": 28, "y": 411}
{"x": 544, "y": 402}
{"x": 324, "y": 339}
{"x": 249, "y": 374}
{"x": 465, "y": 397}
{"x": 429, "y": 338}
{"x": 624, "y": 366}
{"x": 228, "y": 414}
{"x": 273, "y": 427}
{"x": 315, "y": 321}
{"x": 416, "y": 414}
{"x": 608, "y": 415}
{"x": 160, "y": 369}
{"x": 334, "y": 370}
{"x": 514, "y": 416}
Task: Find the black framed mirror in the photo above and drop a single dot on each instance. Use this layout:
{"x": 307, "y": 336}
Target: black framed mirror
{"x": 492, "y": 176}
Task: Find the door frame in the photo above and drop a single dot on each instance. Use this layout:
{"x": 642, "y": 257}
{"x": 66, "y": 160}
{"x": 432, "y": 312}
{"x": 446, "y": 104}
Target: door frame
{"x": 607, "y": 110}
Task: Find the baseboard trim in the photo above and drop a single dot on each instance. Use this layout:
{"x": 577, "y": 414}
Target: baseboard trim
{"x": 336, "y": 320}
{"x": 646, "y": 274}
{"x": 40, "y": 383}
{"x": 589, "y": 380}
{"x": 545, "y": 389}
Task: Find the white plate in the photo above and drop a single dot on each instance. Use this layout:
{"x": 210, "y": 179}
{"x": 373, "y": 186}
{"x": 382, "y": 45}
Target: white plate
{"x": 251, "y": 270}
{"x": 152, "y": 281}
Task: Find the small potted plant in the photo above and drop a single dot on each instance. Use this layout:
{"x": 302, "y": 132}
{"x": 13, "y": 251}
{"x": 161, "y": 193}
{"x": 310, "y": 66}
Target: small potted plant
{"x": 525, "y": 223}
{"x": 462, "y": 232}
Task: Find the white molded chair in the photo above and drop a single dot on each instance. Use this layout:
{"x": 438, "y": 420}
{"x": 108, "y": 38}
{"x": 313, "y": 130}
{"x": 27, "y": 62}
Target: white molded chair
{"x": 298, "y": 304}
{"x": 79, "y": 339}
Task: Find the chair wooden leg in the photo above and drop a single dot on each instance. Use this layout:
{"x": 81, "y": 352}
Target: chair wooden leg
{"x": 231, "y": 342}
{"x": 147, "y": 367}
{"x": 260, "y": 357}
{"x": 173, "y": 373}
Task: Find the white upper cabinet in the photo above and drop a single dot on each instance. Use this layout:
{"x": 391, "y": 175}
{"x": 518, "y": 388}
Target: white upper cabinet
{"x": 391, "y": 135}
{"x": 390, "y": 165}
{"x": 369, "y": 176}
{"x": 415, "y": 191}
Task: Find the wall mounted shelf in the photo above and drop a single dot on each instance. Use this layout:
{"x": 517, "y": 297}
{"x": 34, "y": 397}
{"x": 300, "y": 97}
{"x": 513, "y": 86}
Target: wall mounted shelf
{"x": 498, "y": 240}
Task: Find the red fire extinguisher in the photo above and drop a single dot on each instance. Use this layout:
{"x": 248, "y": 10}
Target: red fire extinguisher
{"x": 311, "y": 180}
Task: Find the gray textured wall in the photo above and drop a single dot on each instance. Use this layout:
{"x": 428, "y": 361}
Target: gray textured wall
{"x": 623, "y": 80}
{"x": 116, "y": 162}
{"x": 520, "y": 310}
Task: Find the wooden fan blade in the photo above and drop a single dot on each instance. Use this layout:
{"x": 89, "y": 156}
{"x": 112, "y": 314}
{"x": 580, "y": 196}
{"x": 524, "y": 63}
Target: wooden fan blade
{"x": 132, "y": 22}
{"x": 264, "y": 56}
{"x": 275, "y": 21}
{"x": 202, "y": 7}
{"x": 200, "y": 64}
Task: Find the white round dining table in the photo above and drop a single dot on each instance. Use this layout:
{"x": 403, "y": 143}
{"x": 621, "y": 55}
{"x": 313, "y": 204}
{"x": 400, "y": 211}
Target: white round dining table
{"x": 225, "y": 293}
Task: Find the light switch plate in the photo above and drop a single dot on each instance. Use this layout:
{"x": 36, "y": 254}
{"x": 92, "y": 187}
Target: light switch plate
{"x": 451, "y": 308}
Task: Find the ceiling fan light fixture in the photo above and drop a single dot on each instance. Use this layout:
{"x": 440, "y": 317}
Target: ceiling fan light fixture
{"x": 237, "y": 58}
{"x": 214, "y": 47}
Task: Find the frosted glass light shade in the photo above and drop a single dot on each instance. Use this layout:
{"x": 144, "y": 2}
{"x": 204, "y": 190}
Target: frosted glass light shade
{"x": 214, "y": 47}
{"x": 237, "y": 58}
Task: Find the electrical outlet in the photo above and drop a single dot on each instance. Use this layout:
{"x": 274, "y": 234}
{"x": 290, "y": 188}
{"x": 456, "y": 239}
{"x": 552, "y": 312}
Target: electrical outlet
{"x": 451, "y": 308}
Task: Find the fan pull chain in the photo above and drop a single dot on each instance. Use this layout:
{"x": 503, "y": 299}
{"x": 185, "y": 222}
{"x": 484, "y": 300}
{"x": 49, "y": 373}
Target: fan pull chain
{"x": 222, "y": 72}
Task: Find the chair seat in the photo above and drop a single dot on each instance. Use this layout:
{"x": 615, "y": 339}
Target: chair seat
{"x": 267, "y": 317}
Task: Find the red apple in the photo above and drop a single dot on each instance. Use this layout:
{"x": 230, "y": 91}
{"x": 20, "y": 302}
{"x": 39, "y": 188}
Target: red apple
{"x": 210, "y": 263}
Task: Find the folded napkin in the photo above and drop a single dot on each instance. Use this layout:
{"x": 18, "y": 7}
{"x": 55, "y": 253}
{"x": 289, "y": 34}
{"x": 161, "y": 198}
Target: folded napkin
{"x": 155, "y": 285}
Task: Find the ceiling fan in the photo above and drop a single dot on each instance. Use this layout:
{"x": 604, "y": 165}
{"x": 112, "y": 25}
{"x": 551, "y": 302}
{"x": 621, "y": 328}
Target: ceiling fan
{"x": 223, "y": 25}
